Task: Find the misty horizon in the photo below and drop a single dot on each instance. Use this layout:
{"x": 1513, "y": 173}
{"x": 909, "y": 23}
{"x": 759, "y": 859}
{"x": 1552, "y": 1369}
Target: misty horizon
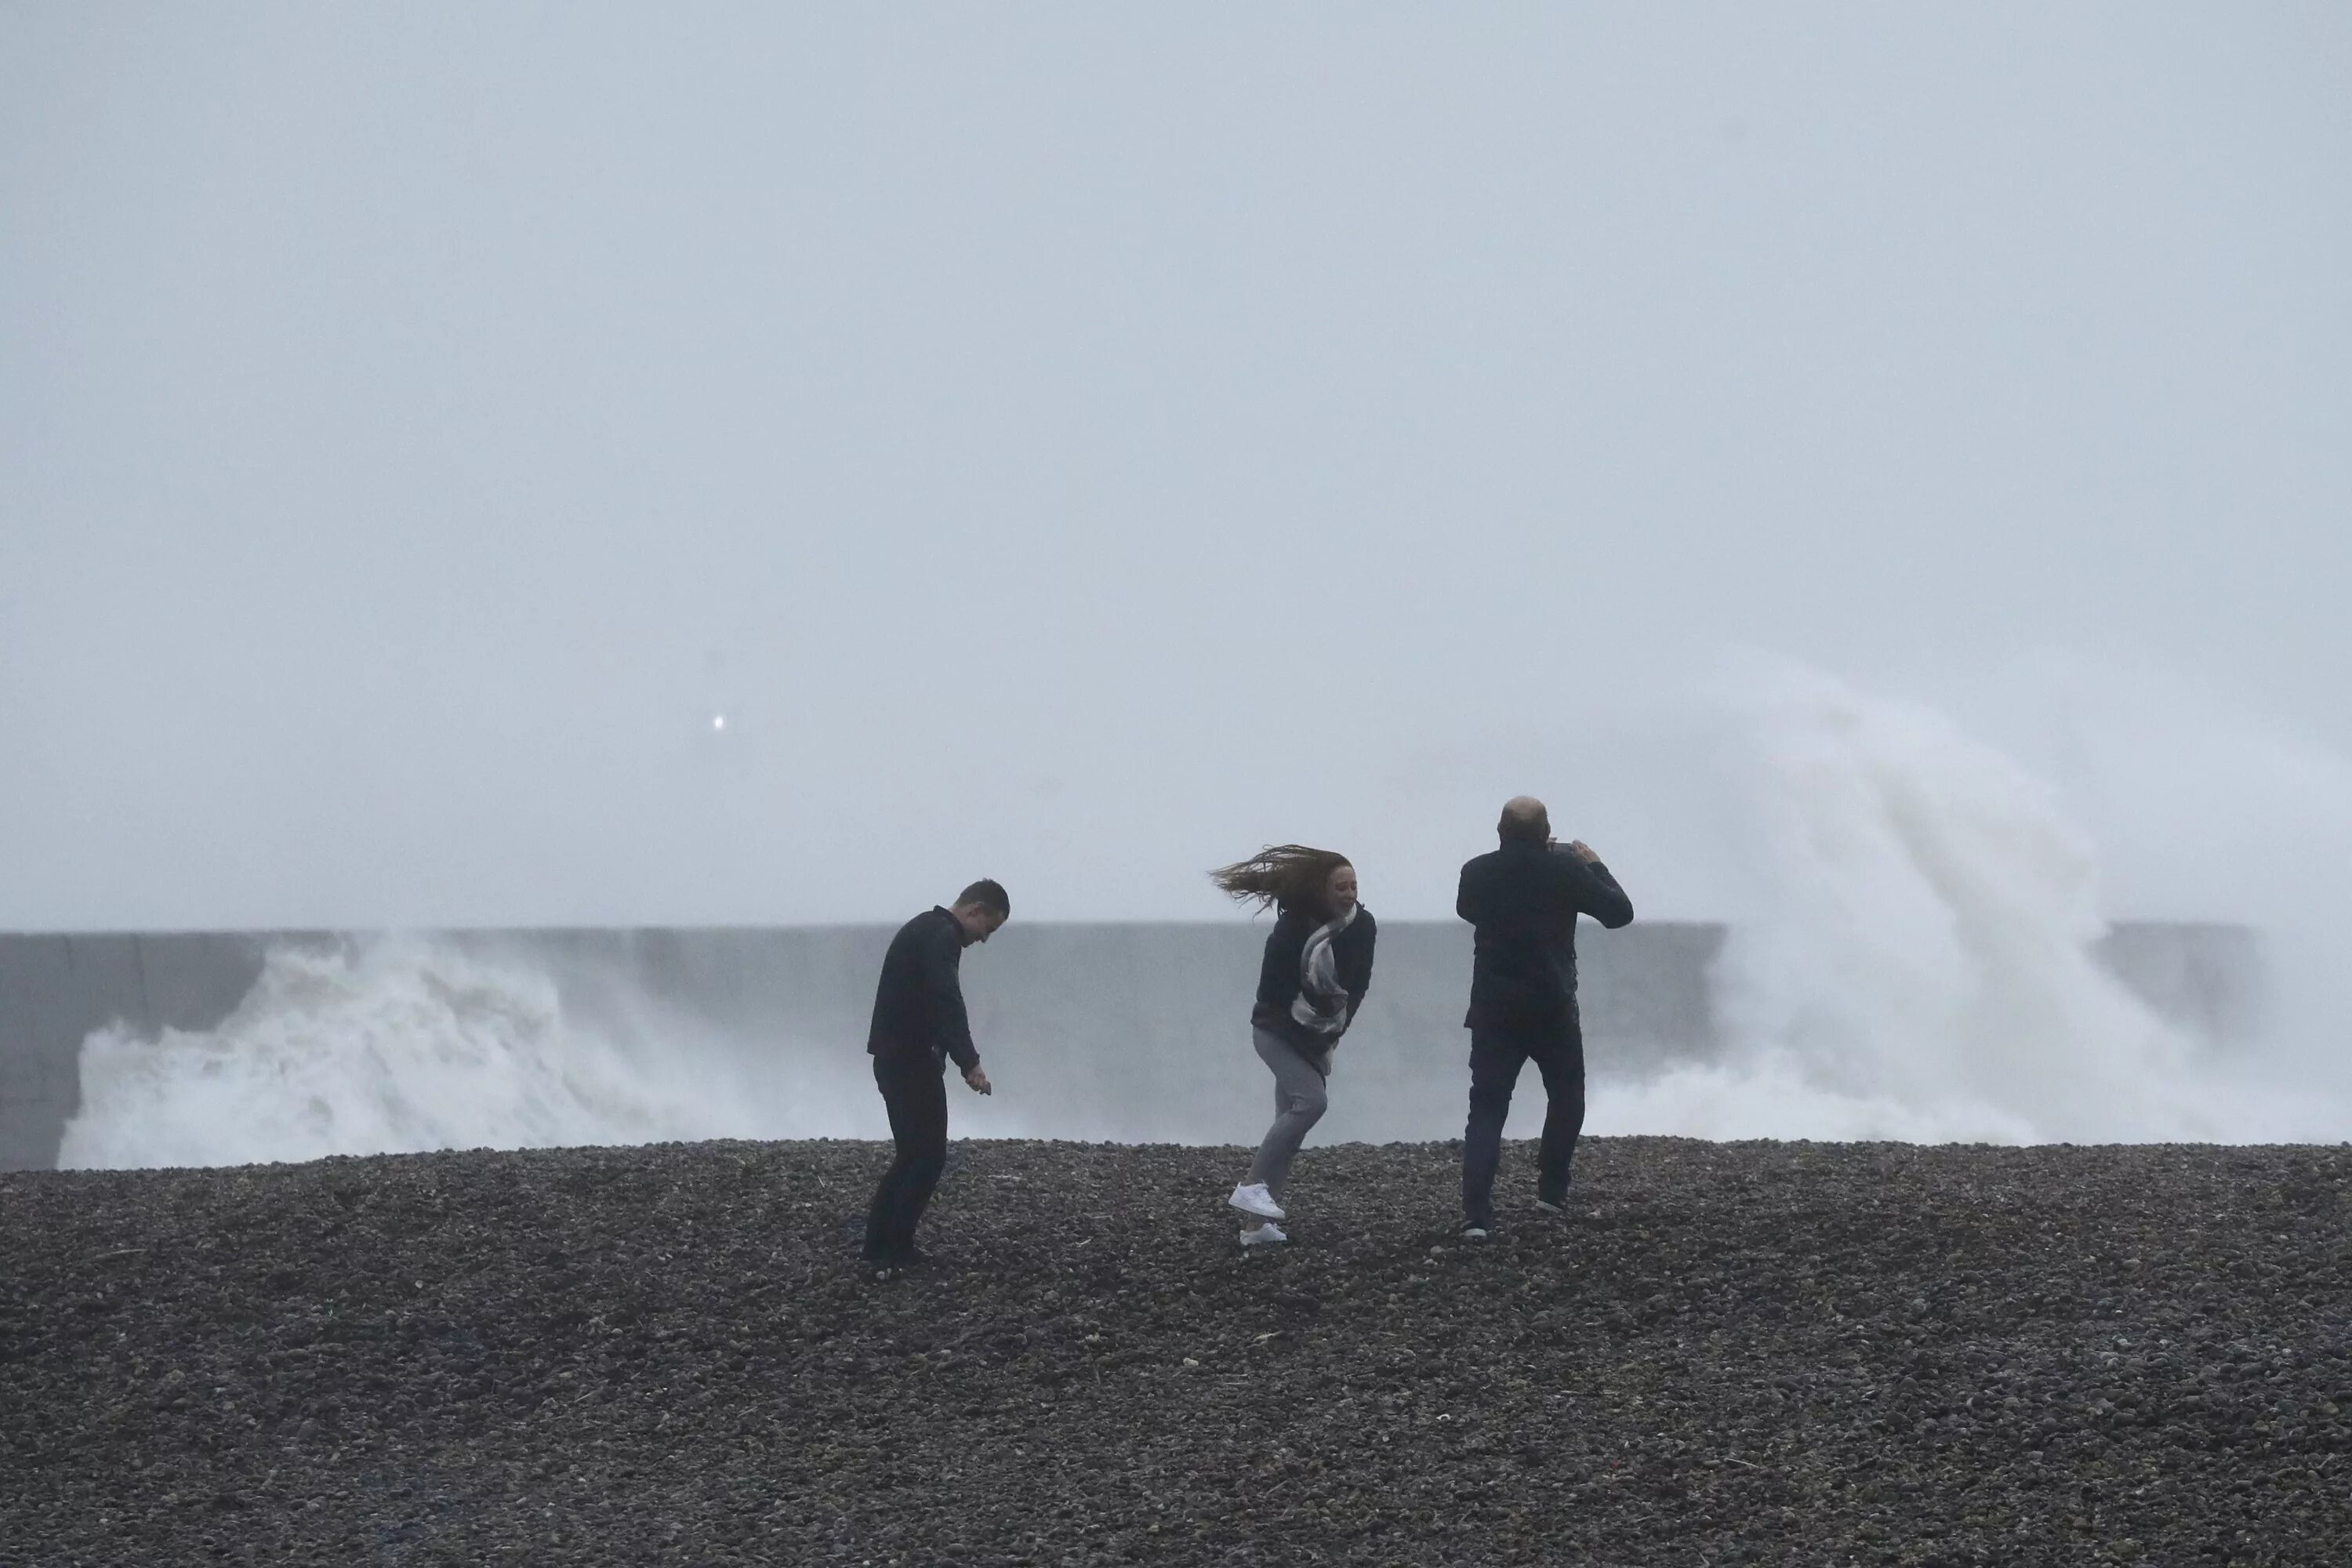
{"x": 1079, "y": 448}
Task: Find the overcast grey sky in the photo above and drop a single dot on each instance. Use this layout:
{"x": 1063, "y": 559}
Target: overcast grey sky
{"x": 1079, "y": 443}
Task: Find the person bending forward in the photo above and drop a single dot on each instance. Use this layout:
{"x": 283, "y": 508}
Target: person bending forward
{"x": 919, "y": 1023}
{"x": 1317, "y": 969}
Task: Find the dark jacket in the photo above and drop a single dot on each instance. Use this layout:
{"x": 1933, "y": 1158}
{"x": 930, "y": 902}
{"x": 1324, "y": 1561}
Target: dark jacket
{"x": 918, "y": 1006}
{"x": 1277, "y": 977}
{"x": 1524, "y": 899}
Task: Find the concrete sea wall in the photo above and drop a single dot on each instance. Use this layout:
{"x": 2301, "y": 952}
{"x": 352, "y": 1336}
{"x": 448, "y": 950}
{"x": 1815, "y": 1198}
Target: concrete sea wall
{"x": 1134, "y": 1024}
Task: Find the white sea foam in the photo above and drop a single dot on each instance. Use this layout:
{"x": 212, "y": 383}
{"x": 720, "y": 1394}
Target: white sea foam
{"x": 1915, "y": 962}
{"x": 389, "y": 1046}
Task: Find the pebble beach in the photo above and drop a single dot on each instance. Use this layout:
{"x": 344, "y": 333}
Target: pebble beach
{"x": 1722, "y": 1354}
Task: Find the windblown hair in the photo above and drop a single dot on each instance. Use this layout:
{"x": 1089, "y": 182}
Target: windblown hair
{"x": 1291, "y": 876}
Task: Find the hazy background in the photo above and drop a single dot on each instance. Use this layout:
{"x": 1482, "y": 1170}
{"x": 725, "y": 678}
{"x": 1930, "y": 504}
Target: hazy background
{"x": 1079, "y": 444}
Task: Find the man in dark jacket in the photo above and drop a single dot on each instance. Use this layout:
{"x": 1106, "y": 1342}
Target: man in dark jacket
{"x": 919, "y": 1025}
{"x": 1523, "y": 899}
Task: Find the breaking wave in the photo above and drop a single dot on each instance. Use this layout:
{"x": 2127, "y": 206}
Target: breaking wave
{"x": 1915, "y": 957}
{"x": 389, "y": 1046}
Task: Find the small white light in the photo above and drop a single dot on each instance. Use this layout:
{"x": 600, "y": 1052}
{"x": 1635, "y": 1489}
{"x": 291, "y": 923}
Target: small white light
{"x": 718, "y": 722}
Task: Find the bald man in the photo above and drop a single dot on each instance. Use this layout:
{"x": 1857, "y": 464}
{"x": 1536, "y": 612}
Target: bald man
{"x": 1523, "y": 901}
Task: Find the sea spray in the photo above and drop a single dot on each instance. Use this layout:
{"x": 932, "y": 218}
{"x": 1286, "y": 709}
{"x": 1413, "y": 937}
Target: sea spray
{"x": 381, "y": 1045}
{"x": 1915, "y": 960}
{"x": 1913, "y": 909}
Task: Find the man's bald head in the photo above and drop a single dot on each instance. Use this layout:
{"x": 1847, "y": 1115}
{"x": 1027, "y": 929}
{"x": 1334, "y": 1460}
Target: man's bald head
{"x": 1525, "y": 819}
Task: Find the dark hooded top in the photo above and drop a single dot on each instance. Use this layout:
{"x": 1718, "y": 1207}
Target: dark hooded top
{"x": 1523, "y": 899}
{"x": 919, "y": 1005}
{"x": 1278, "y": 977}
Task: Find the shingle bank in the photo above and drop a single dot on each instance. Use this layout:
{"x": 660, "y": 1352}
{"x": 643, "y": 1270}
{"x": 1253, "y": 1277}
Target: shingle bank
{"x": 1728, "y": 1353}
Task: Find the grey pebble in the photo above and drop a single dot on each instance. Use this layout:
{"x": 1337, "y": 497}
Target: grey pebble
{"x": 1755, "y": 1353}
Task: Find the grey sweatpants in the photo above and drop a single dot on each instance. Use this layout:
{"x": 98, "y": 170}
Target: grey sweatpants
{"x": 1299, "y": 1102}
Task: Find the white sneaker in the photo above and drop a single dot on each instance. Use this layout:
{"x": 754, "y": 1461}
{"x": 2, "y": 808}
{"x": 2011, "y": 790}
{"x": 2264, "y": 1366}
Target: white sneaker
{"x": 1262, "y": 1234}
{"x": 1549, "y": 1206}
{"x": 1251, "y": 1197}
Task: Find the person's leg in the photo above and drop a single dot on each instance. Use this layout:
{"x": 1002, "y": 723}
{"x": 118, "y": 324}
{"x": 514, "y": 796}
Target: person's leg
{"x": 882, "y": 1239}
{"x": 1299, "y": 1102}
{"x": 914, "y": 1094}
{"x": 1561, "y": 1062}
{"x": 1495, "y": 1062}
{"x": 927, "y": 1133}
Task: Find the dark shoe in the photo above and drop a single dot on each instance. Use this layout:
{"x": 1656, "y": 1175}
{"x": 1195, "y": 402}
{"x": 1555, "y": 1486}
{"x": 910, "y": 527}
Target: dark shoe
{"x": 1554, "y": 1206}
{"x": 1472, "y": 1234}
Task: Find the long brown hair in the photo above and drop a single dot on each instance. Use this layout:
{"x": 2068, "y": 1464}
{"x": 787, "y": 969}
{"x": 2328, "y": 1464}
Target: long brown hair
{"x": 1292, "y": 876}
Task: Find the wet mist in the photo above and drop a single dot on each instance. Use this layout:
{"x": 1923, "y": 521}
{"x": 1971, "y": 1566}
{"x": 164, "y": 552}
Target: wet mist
{"x": 1880, "y": 475}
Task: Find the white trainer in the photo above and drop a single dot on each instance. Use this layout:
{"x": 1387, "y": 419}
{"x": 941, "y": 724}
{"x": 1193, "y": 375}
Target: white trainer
{"x": 1251, "y": 1197}
{"x": 1263, "y": 1235}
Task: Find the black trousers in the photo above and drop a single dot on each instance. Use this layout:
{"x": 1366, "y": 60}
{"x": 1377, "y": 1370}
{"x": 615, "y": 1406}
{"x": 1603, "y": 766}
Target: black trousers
{"x": 915, "y": 1090}
{"x": 1496, "y": 1058}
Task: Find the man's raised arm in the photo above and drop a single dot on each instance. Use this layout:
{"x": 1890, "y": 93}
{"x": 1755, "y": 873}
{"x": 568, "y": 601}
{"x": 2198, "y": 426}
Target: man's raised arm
{"x": 1594, "y": 891}
{"x": 1466, "y": 902}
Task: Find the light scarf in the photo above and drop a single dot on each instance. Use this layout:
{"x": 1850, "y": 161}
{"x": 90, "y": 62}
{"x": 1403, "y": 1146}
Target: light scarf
{"x": 1322, "y": 1004}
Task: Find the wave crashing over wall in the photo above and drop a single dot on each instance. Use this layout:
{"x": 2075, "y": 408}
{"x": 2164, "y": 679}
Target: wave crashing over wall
{"x": 390, "y": 1046}
{"x": 1912, "y": 960}
{"x": 1915, "y": 960}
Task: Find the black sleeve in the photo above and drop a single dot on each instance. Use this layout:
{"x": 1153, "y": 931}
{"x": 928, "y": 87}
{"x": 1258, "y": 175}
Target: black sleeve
{"x": 1599, "y": 895}
{"x": 1360, "y": 983}
{"x": 942, "y": 978}
{"x": 1277, "y": 972}
{"x": 1466, "y": 903}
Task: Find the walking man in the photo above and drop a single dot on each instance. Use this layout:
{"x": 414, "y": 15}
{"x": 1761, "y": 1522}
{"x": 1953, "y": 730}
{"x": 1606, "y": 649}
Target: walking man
{"x": 1523, "y": 899}
{"x": 918, "y": 1025}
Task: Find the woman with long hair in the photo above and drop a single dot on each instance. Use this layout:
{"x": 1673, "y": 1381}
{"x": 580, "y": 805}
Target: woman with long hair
{"x": 1318, "y": 966}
